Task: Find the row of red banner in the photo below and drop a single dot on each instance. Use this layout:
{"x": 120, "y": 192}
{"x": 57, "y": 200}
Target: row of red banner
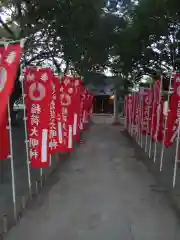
{"x": 56, "y": 110}
{"x": 144, "y": 114}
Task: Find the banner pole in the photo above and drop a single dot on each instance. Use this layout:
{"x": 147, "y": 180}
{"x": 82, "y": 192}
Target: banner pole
{"x": 159, "y": 109}
{"x": 41, "y": 176}
{"x": 129, "y": 111}
{"x": 26, "y": 137}
{"x": 50, "y": 160}
{"x": 126, "y": 112}
{"x": 140, "y": 120}
{"x": 152, "y": 125}
{"x": 176, "y": 155}
{"x": 136, "y": 118}
{"x": 133, "y": 108}
{"x": 149, "y": 103}
{"x": 166, "y": 119}
{"x": 12, "y": 164}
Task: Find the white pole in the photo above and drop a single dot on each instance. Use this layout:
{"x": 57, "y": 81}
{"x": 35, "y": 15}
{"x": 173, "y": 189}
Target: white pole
{"x": 50, "y": 160}
{"x": 26, "y": 138}
{"x": 133, "y": 109}
{"x": 125, "y": 113}
{"x": 129, "y": 110}
{"x": 166, "y": 119}
{"x": 41, "y": 176}
{"x": 159, "y": 109}
{"x": 136, "y": 118}
{"x": 176, "y": 155}
{"x": 12, "y": 164}
{"x": 140, "y": 120}
{"x": 149, "y": 105}
{"x": 152, "y": 125}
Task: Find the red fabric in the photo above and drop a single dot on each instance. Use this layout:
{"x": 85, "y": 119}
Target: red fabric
{"x": 129, "y": 109}
{"x": 67, "y": 92}
{"x": 38, "y": 92}
{"x": 145, "y": 113}
{"x": 157, "y": 115}
{"x": 158, "y": 123}
{"x": 134, "y": 107}
{"x": 173, "y": 114}
{"x": 77, "y": 102}
{"x": 10, "y": 59}
{"x": 4, "y": 139}
{"x": 55, "y": 136}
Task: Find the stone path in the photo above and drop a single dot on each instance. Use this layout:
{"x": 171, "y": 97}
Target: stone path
{"x": 102, "y": 193}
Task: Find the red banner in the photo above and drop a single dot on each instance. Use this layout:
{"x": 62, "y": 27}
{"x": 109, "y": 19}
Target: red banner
{"x": 145, "y": 111}
{"x": 55, "y": 136}
{"x": 157, "y": 115}
{"x": 67, "y": 92}
{"x": 173, "y": 114}
{"x": 38, "y": 94}
{"x": 10, "y": 59}
{"x": 4, "y": 139}
{"x": 77, "y": 103}
{"x": 134, "y": 107}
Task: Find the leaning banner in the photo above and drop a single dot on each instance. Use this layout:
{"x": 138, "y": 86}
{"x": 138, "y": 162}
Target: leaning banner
{"x": 9, "y": 62}
{"x": 38, "y": 93}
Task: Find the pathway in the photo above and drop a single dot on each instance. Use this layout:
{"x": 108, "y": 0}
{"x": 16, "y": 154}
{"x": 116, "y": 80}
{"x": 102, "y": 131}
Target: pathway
{"x": 102, "y": 193}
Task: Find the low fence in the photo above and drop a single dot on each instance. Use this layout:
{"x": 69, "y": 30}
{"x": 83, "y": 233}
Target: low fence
{"x": 12, "y": 206}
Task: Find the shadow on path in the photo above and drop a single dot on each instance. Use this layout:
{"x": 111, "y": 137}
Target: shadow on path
{"x": 102, "y": 193}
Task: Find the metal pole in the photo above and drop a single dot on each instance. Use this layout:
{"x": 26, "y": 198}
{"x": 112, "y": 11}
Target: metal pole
{"x": 141, "y": 135}
{"x": 140, "y": 124}
{"x": 152, "y": 124}
{"x": 129, "y": 118}
{"x": 176, "y": 155}
{"x": 26, "y": 138}
{"x": 125, "y": 114}
{"x": 12, "y": 164}
{"x": 50, "y": 160}
{"x": 158, "y": 119}
{"x": 133, "y": 112}
{"x": 137, "y": 118}
{"x": 41, "y": 176}
{"x": 165, "y": 127}
{"x": 149, "y": 104}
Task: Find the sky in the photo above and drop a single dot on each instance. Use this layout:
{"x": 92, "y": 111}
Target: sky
{"x": 4, "y": 17}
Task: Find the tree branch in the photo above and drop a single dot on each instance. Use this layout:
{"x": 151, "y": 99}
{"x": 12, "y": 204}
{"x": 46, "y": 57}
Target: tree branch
{"x": 5, "y": 26}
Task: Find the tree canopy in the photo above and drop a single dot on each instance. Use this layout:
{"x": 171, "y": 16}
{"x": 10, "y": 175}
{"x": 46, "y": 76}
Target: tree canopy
{"x": 132, "y": 38}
